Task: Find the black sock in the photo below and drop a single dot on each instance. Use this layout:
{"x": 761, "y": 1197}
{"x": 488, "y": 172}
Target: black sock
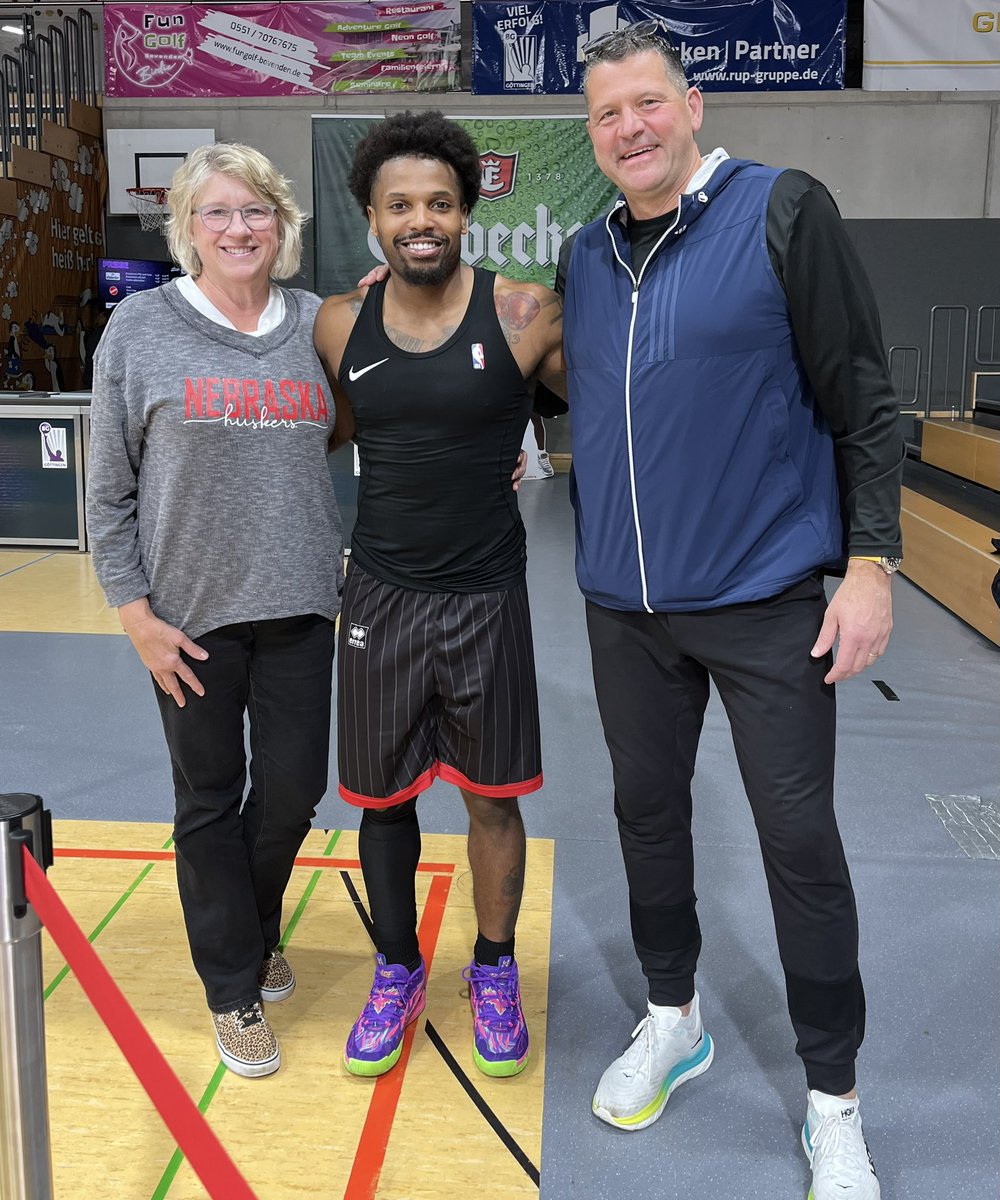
{"x": 488, "y": 954}
{"x": 405, "y": 952}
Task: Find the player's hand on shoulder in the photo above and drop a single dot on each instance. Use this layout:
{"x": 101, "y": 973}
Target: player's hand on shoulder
{"x": 379, "y": 272}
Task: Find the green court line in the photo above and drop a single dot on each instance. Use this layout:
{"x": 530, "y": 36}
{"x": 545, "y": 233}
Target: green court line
{"x": 168, "y": 1176}
{"x": 106, "y": 918}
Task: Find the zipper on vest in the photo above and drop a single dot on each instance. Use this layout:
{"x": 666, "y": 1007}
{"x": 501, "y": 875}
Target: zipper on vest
{"x": 628, "y": 384}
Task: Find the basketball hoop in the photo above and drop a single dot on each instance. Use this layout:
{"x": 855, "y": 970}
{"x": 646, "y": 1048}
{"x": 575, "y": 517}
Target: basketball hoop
{"x": 150, "y": 204}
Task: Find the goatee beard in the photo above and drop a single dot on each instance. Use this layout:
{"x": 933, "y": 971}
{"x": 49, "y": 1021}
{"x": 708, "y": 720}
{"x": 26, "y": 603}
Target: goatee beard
{"x": 430, "y": 274}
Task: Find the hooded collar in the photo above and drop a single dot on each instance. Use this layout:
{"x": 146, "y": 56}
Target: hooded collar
{"x": 714, "y": 173}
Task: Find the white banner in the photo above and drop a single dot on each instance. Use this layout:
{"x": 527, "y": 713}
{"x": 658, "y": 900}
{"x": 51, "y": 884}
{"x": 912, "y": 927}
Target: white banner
{"x": 931, "y": 46}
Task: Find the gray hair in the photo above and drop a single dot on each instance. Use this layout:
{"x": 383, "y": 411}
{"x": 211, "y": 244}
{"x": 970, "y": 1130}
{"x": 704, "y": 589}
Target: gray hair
{"x": 259, "y": 175}
{"x": 626, "y": 43}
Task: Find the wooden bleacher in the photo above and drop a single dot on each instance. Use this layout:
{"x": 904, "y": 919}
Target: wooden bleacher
{"x": 950, "y": 514}
{"x": 965, "y": 449}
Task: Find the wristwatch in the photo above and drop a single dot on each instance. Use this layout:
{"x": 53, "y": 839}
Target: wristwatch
{"x": 887, "y": 562}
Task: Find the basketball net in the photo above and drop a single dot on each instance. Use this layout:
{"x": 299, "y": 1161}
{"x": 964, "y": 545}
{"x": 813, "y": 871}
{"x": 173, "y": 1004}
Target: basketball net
{"x": 150, "y": 206}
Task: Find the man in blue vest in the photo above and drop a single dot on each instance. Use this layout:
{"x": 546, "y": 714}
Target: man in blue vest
{"x": 734, "y": 433}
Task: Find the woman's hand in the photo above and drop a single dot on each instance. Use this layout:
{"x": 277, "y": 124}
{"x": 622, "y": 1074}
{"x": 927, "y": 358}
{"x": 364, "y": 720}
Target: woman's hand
{"x": 159, "y": 645}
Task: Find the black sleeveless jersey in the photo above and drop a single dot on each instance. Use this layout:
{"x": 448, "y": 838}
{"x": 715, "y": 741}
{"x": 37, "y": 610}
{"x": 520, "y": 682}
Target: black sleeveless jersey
{"x": 438, "y": 435}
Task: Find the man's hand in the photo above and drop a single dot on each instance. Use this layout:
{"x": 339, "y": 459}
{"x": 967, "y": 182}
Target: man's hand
{"x": 860, "y": 615}
{"x": 159, "y": 645}
{"x": 519, "y": 470}
{"x": 379, "y": 272}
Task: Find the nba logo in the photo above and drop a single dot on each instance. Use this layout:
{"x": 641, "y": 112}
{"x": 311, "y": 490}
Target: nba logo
{"x": 478, "y": 356}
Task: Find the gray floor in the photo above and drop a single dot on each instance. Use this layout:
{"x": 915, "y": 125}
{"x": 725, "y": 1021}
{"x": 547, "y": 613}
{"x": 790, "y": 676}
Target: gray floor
{"x": 78, "y": 725}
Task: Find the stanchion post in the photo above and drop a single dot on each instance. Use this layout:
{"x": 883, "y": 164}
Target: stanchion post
{"x": 25, "y": 1153}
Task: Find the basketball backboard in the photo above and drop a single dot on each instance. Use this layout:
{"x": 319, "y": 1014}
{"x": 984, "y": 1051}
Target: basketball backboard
{"x": 146, "y": 158}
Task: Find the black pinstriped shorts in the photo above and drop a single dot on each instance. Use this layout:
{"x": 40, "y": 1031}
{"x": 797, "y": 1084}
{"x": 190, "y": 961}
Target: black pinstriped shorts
{"x": 434, "y": 684}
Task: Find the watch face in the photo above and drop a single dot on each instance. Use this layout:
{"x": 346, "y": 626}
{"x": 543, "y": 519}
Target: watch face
{"x": 890, "y": 565}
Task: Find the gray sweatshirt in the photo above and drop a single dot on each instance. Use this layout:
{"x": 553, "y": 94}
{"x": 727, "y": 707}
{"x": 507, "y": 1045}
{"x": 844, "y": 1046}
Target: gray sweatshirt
{"x": 208, "y": 488}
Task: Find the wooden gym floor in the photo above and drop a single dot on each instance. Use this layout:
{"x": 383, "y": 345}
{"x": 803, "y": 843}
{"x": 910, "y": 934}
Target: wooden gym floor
{"x": 311, "y": 1130}
{"x": 78, "y": 725}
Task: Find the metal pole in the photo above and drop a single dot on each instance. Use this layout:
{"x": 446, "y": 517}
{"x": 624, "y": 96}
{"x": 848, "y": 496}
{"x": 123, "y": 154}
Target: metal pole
{"x": 25, "y": 1155}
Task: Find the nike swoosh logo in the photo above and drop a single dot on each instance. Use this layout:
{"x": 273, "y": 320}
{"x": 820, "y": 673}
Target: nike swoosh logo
{"x": 352, "y": 375}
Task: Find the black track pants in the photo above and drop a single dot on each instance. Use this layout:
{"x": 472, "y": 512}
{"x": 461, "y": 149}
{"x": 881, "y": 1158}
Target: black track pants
{"x": 651, "y": 673}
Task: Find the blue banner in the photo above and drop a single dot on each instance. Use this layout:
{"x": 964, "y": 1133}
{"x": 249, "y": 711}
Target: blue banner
{"x": 725, "y": 45}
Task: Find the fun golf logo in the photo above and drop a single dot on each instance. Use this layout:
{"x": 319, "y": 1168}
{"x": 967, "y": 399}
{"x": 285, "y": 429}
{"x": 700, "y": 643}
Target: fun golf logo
{"x": 154, "y": 55}
{"x": 53, "y": 447}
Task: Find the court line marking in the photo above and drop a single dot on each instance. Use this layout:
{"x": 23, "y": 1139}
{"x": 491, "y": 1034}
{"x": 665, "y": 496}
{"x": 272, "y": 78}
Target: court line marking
{"x": 14, "y": 570}
{"x": 492, "y": 1119}
{"x": 173, "y": 1166}
{"x": 64, "y": 971}
{"x": 359, "y": 906}
{"x": 370, "y": 1154}
{"x": 451, "y": 1062}
{"x": 430, "y": 868}
{"x": 884, "y": 688}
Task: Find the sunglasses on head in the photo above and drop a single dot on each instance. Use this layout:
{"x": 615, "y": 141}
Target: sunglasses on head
{"x": 596, "y": 46}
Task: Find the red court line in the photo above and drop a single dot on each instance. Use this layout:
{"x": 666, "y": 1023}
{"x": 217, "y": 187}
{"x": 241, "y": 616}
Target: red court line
{"x": 203, "y": 1150}
{"x": 342, "y": 864}
{"x": 385, "y": 1097}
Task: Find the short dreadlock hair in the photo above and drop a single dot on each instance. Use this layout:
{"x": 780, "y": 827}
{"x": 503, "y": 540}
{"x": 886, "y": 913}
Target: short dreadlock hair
{"x": 426, "y": 134}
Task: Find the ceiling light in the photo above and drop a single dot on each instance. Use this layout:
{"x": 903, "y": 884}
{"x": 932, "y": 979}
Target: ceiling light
{"x": 13, "y": 29}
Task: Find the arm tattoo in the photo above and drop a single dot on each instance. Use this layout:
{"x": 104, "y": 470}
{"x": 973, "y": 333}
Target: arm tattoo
{"x": 516, "y": 311}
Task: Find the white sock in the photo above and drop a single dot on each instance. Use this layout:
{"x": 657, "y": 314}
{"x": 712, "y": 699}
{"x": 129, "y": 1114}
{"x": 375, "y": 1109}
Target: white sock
{"x": 667, "y": 1017}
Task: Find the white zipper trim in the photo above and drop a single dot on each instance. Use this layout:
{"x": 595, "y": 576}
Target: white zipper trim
{"x": 628, "y": 381}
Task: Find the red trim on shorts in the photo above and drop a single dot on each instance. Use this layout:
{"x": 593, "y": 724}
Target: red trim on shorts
{"x": 502, "y": 791}
{"x": 499, "y": 791}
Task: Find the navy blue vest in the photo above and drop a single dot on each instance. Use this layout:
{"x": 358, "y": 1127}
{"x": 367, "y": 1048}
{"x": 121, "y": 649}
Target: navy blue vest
{"x": 703, "y": 470}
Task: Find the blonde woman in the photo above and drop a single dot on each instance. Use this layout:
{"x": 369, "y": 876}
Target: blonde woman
{"x": 216, "y": 534}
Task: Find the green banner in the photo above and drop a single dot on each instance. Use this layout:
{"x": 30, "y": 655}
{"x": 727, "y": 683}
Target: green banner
{"x": 539, "y": 185}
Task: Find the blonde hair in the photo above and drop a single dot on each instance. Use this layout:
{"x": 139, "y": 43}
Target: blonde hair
{"x": 259, "y": 175}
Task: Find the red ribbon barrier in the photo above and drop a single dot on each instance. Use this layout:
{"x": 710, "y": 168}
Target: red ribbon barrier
{"x": 196, "y": 1140}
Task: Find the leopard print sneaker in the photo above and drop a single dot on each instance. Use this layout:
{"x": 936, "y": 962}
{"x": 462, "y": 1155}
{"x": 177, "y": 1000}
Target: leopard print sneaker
{"x": 276, "y": 978}
{"x": 246, "y": 1042}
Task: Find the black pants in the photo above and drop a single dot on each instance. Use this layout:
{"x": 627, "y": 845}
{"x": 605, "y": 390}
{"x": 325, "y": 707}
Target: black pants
{"x": 234, "y": 857}
{"x": 652, "y": 672}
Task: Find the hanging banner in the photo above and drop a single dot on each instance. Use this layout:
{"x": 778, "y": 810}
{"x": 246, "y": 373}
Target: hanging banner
{"x": 725, "y": 45}
{"x": 51, "y": 236}
{"x": 539, "y": 185}
{"x": 175, "y": 50}
{"x": 931, "y": 46}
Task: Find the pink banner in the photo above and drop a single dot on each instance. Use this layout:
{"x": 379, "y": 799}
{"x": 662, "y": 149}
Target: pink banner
{"x": 173, "y": 50}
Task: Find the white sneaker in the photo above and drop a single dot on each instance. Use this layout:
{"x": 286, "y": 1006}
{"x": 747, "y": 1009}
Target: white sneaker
{"x": 544, "y": 466}
{"x": 667, "y": 1050}
{"x": 835, "y": 1145}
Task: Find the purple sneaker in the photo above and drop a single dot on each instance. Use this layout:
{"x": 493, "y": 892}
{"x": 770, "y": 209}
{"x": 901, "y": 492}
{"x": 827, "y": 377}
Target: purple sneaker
{"x": 500, "y": 1041}
{"x": 376, "y": 1039}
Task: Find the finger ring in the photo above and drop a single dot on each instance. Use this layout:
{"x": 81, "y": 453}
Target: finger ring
{"x": 873, "y": 656}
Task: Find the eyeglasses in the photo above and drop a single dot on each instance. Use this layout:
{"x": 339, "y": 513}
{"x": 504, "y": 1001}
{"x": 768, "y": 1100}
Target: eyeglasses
{"x": 596, "y": 46}
{"x": 218, "y": 219}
